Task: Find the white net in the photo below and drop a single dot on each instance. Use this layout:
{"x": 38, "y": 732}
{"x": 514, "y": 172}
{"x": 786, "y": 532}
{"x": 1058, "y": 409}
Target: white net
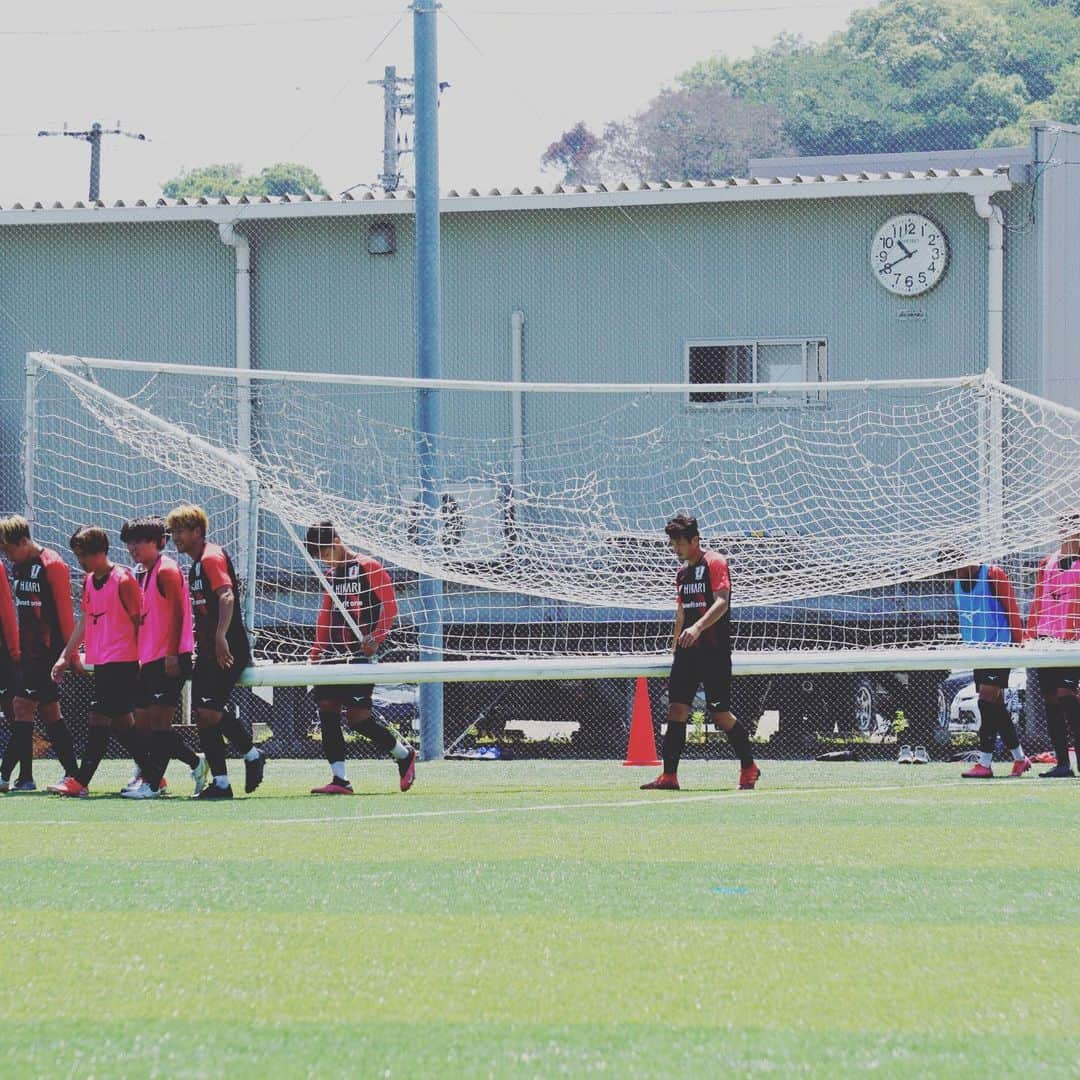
{"x": 545, "y": 534}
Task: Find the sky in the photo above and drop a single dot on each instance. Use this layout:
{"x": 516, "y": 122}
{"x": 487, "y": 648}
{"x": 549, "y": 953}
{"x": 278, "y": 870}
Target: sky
{"x": 257, "y": 83}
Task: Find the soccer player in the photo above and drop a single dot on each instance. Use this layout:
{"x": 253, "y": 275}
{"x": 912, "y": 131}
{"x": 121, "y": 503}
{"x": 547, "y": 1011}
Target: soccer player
{"x": 9, "y": 662}
{"x": 222, "y": 651}
{"x": 166, "y": 645}
{"x": 702, "y": 646}
{"x": 41, "y": 587}
{"x": 988, "y": 614}
{"x": 108, "y": 624}
{"x": 366, "y": 592}
{"x": 1055, "y": 613}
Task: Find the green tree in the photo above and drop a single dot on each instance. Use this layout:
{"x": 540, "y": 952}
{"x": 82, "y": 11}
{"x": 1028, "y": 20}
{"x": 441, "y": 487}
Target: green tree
{"x": 574, "y": 152}
{"x": 912, "y": 75}
{"x": 214, "y": 181}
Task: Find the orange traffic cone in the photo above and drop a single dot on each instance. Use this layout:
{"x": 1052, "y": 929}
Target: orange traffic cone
{"x": 641, "y": 749}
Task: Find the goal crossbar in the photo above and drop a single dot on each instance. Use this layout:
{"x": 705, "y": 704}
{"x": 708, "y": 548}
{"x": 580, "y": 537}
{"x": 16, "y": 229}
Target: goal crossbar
{"x": 765, "y": 662}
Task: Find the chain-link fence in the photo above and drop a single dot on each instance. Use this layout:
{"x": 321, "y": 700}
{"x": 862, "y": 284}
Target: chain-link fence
{"x": 885, "y": 251}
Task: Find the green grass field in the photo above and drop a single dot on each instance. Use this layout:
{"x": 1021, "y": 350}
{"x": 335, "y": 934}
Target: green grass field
{"x": 546, "y": 919}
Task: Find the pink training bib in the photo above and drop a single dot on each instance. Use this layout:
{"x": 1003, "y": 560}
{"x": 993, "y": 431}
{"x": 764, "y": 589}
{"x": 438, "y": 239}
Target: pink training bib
{"x": 158, "y": 625}
{"x": 110, "y": 635}
{"x": 1061, "y": 589}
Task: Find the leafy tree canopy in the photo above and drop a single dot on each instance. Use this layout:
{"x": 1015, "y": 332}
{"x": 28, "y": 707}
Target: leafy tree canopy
{"x": 229, "y": 180}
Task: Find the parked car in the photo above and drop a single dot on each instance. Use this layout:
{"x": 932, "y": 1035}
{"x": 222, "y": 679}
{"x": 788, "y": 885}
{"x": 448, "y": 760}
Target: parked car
{"x": 959, "y": 710}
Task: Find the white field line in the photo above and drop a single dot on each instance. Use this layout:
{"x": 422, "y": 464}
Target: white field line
{"x": 466, "y": 811}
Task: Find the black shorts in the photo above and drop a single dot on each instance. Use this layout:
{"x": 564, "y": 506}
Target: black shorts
{"x": 350, "y": 695}
{"x": 697, "y": 666}
{"x": 998, "y": 677}
{"x": 8, "y": 674}
{"x": 34, "y": 681}
{"x": 116, "y": 687}
{"x": 1058, "y": 678}
{"x": 212, "y": 685}
{"x": 157, "y": 688}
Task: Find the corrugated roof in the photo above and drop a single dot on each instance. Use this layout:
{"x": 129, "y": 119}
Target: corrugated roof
{"x": 981, "y": 180}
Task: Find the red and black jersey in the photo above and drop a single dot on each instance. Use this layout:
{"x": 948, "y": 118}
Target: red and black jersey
{"x": 41, "y": 589}
{"x": 696, "y": 588}
{"x": 364, "y": 588}
{"x": 213, "y": 570}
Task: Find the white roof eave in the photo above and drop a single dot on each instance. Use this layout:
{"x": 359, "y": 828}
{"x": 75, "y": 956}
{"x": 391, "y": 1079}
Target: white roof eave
{"x": 691, "y": 193}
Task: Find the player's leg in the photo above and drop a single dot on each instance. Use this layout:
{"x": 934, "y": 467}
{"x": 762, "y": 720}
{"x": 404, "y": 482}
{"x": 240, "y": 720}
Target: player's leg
{"x": 211, "y": 687}
{"x": 23, "y": 711}
{"x": 330, "y": 702}
{"x": 1070, "y": 708}
{"x": 11, "y": 751}
{"x": 988, "y": 685}
{"x": 97, "y": 741}
{"x": 718, "y": 698}
{"x": 683, "y": 684}
{"x": 57, "y": 732}
{"x": 241, "y": 741}
{"x": 1055, "y": 693}
{"x": 360, "y": 716}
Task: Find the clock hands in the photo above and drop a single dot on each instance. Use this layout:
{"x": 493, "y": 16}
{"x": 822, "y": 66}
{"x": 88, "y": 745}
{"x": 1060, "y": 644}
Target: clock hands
{"x": 907, "y": 255}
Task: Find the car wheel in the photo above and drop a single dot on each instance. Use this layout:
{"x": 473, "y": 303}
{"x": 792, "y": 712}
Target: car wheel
{"x": 864, "y": 705}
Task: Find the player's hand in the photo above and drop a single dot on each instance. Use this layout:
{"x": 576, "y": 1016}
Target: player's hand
{"x": 172, "y": 667}
{"x": 76, "y": 664}
{"x": 315, "y": 656}
{"x": 223, "y": 652}
{"x": 689, "y": 637}
{"x": 58, "y": 669}
{"x": 369, "y": 646}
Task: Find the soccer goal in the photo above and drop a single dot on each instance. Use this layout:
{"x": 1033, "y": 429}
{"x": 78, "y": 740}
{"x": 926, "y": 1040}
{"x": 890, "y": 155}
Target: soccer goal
{"x": 533, "y": 548}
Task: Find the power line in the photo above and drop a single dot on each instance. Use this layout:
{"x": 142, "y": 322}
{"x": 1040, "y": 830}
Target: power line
{"x": 578, "y": 13}
{"x": 193, "y": 28}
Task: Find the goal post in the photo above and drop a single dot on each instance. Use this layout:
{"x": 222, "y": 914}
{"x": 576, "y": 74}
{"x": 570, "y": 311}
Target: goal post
{"x": 841, "y": 511}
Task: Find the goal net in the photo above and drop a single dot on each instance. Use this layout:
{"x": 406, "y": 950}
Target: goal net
{"x": 541, "y": 535}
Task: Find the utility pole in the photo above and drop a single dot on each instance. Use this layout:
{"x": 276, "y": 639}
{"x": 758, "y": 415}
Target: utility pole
{"x": 93, "y": 137}
{"x": 395, "y": 103}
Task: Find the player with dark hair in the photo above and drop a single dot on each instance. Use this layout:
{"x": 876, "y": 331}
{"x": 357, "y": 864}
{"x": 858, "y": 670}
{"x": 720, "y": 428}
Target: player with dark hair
{"x": 988, "y": 614}
{"x": 702, "y": 646}
{"x": 9, "y": 662}
{"x": 222, "y": 651}
{"x": 41, "y": 589}
{"x": 363, "y": 588}
{"x": 166, "y": 645}
{"x": 108, "y": 624}
{"x": 1055, "y": 613}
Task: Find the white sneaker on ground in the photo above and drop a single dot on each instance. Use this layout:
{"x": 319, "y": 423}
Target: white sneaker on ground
{"x": 200, "y": 774}
{"x": 143, "y": 791}
{"x": 920, "y": 756}
{"x": 906, "y": 756}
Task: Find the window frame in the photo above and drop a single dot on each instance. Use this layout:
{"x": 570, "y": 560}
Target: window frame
{"x": 814, "y": 361}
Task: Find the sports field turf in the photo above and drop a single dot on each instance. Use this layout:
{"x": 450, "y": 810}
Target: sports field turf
{"x": 543, "y": 919}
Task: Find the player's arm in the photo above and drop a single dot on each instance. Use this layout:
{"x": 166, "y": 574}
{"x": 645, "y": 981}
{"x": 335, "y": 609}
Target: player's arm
{"x": 171, "y": 585}
{"x": 322, "y": 629}
{"x": 680, "y": 618}
{"x": 9, "y": 621}
{"x": 1036, "y": 602}
{"x": 131, "y": 600}
{"x": 382, "y": 589}
{"x": 69, "y": 658}
{"x": 217, "y": 577}
{"x": 1003, "y": 591}
{"x": 58, "y": 578}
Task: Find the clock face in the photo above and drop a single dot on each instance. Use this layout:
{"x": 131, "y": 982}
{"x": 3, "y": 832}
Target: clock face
{"x": 909, "y": 254}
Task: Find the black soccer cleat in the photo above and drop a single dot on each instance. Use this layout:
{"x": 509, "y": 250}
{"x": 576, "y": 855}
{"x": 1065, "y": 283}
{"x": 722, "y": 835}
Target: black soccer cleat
{"x": 253, "y": 773}
{"x": 212, "y": 791}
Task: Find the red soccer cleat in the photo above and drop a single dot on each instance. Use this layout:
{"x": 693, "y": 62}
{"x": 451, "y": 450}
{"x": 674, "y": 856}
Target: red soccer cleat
{"x": 1020, "y": 767}
{"x": 979, "y": 772}
{"x": 749, "y": 776}
{"x": 71, "y": 787}
{"x": 407, "y": 770}
{"x": 664, "y": 782}
{"x": 337, "y": 786}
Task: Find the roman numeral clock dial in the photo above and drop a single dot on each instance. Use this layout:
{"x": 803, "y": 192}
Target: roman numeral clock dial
{"x": 909, "y": 254}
